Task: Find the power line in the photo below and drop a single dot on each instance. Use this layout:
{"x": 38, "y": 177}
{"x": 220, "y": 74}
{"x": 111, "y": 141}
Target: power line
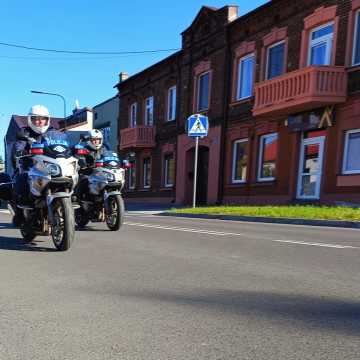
{"x": 68, "y": 58}
{"x": 86, "y": 52}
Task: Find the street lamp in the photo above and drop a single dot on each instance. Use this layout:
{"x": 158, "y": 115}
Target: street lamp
{"x": 48, "y": 93}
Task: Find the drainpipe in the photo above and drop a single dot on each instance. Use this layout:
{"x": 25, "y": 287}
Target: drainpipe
{"x": 227, "y": 95}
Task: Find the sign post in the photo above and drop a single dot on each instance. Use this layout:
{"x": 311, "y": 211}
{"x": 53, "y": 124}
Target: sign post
{"x": 198, "y": 126}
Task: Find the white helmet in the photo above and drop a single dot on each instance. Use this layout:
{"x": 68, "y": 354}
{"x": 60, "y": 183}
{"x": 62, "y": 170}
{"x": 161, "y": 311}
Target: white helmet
{"x": 95, "y": 139}
{"x": 36, "y": 113}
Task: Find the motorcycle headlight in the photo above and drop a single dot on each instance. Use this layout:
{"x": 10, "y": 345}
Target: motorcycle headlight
{"x": 52, "y": 169}
{"x": 110, "y": 177}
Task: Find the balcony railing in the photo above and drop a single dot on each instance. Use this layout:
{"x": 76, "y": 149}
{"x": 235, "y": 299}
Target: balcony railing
{"x": 300, "y": 90}
{"x": 137, "y": 137}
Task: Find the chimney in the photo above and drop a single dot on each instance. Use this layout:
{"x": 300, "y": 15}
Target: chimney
{"x": 123, "y": 76}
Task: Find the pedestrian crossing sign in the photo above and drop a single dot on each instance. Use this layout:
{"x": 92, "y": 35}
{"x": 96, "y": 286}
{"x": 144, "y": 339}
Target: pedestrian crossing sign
{"x": 198, "y": 125}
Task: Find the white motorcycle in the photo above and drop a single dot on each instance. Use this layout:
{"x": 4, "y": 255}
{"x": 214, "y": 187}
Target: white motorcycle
{"x": 100, "y": 197}
{"x": 52, "y": 174}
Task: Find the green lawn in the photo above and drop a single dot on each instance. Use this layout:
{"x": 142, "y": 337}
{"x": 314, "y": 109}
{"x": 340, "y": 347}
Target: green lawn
{"x": 297, "y": 212}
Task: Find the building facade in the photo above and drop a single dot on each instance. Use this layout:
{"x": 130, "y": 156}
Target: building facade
{"x": 280, "y": 86}
{"x": 106, "y": 116}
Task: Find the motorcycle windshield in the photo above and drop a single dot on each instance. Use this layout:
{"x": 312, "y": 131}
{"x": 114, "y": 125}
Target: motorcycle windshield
{"x": 56, "y": 144}
{"x": 111, "y": 159}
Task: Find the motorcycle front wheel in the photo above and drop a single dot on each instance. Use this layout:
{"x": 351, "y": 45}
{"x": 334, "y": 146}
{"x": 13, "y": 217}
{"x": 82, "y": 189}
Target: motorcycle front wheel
{"x": 63, "y": 228}
{"x": 81, "y": 218}
{"x": 114, "y": 216}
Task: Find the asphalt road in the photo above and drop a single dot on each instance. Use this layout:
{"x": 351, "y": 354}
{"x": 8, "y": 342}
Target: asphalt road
{"x": 167, "y": 288}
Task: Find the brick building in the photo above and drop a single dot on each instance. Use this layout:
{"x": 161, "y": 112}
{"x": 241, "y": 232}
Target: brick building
{"x": 280, "y": 86}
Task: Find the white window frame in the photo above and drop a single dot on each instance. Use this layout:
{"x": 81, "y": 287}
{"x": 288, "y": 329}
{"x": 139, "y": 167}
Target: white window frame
{"x": 130, "y": 171}
{"x": 345, "y": 156}
{"x": 171, "y": 116}
{"x": 145, "y": 173}
{"x": 133, "y": 114}
{"x": 356, "y": 34}
{"x": 149, "y": 106}
{"x": 198, "y": 91}
{"x": 233, "y": 180}
{"x": 329, "y": 39}
{"x": 267, "y": 59}
{"x": 260, "y": 158}
{"x": 239, "y": 80}
{"x": 166, "y": 161}
{"x": 320, "y": 140}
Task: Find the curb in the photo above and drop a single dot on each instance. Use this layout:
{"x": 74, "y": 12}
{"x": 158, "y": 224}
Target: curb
{"x": 328, "y": 223}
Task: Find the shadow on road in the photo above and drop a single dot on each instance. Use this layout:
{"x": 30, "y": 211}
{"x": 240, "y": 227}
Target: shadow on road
{"x": 17, "y": 243}
{"x": 306, "y": 311}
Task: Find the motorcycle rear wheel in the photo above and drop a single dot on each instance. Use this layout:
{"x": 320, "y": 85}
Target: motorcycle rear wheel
{"x": 81, "y": 218}
{"x": 63, "y": 229}
{"x": 27, "y": 233}
{"x": 115, "y": 218}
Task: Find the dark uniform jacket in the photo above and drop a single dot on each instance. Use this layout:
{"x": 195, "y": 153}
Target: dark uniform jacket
{"x": 25, "y": 137}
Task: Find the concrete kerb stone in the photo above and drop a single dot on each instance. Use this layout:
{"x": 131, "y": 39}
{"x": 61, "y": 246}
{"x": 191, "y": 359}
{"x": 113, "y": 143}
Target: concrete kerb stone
{"x": 269, "y": 220}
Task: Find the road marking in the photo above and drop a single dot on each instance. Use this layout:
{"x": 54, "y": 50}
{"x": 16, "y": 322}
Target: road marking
{"x": 175, "y": 228}
{"x": 218, "y": 233}
{"x": 335, "y": 246}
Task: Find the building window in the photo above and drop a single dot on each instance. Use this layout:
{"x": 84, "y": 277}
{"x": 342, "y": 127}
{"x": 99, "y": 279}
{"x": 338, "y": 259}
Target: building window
{"x": 203, "y": 86}
{"x": 275, "y": 60}
{"x": 321, "y": 41}
{"x": 169, "y": 170}
{"x": 267, "y": 157}
{"x": 149, "y": 111}
{"x": 106, "y": 134}
{"x": 351, "y": 162}
{"x": 132, "y": 175}
{"x": 245, "y": 77}
{"x": 356, "y": 49}
{"x": 240, "y": 159}
{"x": 147, "y": 172}
{"x": 133, "y": 115}
{"x": 171, "y": 101}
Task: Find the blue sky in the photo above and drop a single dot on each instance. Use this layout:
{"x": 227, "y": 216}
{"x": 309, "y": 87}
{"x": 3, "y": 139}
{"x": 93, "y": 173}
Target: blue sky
{"x": 94, "y": 25}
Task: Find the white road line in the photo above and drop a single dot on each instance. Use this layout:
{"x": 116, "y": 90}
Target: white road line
{"x": 335, "y": 246}
{"x": 218, "y": 233}
{"x": 175, "y": 228}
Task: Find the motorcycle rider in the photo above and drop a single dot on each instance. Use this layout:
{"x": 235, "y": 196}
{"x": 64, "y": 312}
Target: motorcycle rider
{"x": 36, "y": 131}
{"x": 94, "y": 144}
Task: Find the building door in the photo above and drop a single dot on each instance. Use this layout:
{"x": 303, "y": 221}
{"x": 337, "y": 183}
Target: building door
{"x": 202, "y": 179}
{"x": 310, "y": 168}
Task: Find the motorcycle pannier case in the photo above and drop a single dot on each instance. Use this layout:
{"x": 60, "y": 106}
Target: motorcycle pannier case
{"x": 5, "y": 187}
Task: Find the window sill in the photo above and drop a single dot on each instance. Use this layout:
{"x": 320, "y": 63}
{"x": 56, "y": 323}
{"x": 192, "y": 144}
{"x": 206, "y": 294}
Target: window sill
{"x": 167, "y": 188}
{"x": 237, "y": 184}
{"x": 355, "y": 173}
{"x": 263, "y": 183}
{"x": 353, "y": 68}
{"x": 203, "y": 112}
{"x": 241, "y": 101}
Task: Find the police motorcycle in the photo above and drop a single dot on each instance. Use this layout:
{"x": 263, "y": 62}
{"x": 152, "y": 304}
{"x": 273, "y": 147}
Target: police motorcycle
{"x": 52, "y": 173}
{"x": 101, "y": 200}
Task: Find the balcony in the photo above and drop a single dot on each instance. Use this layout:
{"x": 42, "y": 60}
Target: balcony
{"x": 300, "y": 90}
{"x": 137, "y": 137}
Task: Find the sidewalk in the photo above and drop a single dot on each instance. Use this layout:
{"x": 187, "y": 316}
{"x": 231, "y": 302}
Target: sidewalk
{"x": 328, "y": 223}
